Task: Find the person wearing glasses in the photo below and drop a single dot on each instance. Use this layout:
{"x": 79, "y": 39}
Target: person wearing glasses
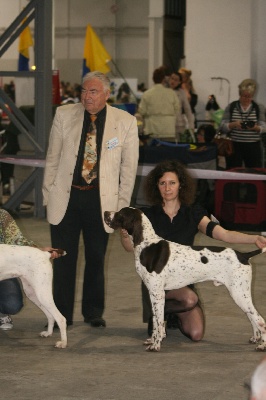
{"x": 90, "y": 167}
{"x": 244, "y": 122}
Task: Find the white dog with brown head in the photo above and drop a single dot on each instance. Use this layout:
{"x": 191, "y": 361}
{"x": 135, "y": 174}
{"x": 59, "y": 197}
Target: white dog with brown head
{"x": 164, "y": 265}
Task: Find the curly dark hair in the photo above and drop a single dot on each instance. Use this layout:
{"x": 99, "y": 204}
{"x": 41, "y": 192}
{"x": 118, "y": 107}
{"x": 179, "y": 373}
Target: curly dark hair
{"x": 187, "y": 188}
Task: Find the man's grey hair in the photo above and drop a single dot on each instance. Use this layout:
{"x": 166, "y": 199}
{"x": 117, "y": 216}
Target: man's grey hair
{"x": 98, "y": 75}
{"x": 258, "y": 381}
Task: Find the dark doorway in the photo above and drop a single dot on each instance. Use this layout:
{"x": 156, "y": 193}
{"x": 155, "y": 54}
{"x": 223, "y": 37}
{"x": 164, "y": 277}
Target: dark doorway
{"x": 174, "y": 27}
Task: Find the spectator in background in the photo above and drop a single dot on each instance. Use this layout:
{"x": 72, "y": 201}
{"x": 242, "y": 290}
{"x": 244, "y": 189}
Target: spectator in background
{"x": 205, "y": 194}
{"x": 213, "y": 111}
{"x": 188, "y": 87}
{"x": 141, "y": 89}
{"x": 185, "y": 117}
{"x": 244, "y": 121}
{"x": 77, "y": 93}
{"x": 9, "y": 146}
{"x": 258, "y": 382}
{"x": 205, "y": 133}
{"x": 9, "y": 89}
{"x": 159, "y": 107}
{"x": 124, "y": 94}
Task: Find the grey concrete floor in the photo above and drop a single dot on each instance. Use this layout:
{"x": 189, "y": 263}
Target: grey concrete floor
{"x": 111, "y": 363}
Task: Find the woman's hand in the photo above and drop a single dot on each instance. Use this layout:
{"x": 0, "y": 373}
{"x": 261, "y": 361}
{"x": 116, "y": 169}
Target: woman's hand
{"x": 126, "y": 240}
{"x": 124, "y": 233}
{"x": 235, "y": 125}
{"x": 260, "y": 242}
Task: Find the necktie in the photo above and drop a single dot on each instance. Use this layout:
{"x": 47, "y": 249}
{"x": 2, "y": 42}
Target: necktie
{"x": 89, "y": 171}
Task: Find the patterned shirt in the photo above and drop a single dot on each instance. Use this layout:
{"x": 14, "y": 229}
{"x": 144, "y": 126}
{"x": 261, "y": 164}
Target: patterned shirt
{"x": 10, "y": 232}
{"x": 100, "y": 122}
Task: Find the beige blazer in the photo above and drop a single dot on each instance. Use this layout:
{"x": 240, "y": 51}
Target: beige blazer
{"x": 118, "y": 162}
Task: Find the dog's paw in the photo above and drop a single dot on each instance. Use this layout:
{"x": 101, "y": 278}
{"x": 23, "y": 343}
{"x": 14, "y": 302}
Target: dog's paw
{"x": 45, "y": 334}
{"x": 153, "y": 347}
{"x": 152, "y": 344}
{"x": 61, "y": 344}
{"x": 261, "y": 347}
{"x": 254, "y": 339}
{"x": 148, "y": 341}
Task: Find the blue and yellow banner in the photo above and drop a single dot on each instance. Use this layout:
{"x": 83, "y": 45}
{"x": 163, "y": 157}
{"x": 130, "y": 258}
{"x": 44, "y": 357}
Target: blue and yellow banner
{"x": 25, "y": 41}
{"x": 95, "y": 56}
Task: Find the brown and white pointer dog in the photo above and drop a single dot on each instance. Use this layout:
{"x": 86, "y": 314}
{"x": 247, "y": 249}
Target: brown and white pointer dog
{"x": 164, "y": 265}
{"x": 33, "y": 267}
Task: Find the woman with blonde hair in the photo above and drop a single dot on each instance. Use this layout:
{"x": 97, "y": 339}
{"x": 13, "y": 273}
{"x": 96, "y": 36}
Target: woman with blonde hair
{"x": 187, "y": 86}
{"x": 244, "y": 121}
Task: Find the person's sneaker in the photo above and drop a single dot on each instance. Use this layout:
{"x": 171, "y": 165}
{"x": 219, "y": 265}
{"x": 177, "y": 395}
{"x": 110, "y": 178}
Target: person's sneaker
{"x": 6, "y": 323}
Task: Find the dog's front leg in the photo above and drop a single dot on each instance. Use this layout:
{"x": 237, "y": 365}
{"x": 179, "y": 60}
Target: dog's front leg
{"x": 158, "y": 334}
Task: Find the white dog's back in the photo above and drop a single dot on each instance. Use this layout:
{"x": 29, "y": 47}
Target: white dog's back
{"x": 18, "y": 261}
{"x": 34, "y": 268}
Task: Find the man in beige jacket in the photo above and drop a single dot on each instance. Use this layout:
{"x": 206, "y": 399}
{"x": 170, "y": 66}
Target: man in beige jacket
{"x": 90, "y": 167}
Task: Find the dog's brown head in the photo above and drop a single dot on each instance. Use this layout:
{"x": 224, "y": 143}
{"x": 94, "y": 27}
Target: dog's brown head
{"x": 127, "y": 218}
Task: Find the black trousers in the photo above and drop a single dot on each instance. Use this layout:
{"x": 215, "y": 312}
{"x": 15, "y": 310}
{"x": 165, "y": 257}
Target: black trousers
{"x": 83, "y": 215}
{"x": 248, "y": 153}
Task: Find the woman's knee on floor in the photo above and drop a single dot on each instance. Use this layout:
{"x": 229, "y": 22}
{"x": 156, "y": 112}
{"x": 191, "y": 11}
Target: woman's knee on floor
{"x": 197, "y": 333}
{"x": 192, "y": 324}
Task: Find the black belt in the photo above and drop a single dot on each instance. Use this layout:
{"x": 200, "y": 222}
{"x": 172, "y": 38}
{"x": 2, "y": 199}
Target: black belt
{"x": 84, "y": 187}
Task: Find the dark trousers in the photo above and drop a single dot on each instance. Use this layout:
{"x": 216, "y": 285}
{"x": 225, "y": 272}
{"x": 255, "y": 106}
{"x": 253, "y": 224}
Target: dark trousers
{"x": 248, "y": 153}
{"x": 83, "y": 215}
{"x": 11, "y": 300}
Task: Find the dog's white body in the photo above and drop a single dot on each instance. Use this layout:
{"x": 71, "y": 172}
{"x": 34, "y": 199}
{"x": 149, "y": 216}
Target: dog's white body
{"x": 185, "y": 266}
{"x": 33, "y": 267}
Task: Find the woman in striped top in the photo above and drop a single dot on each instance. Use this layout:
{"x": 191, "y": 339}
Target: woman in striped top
{"x": 244, "y": 121}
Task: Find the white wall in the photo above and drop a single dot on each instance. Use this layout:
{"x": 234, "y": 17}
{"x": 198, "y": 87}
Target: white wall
{"x": 123, "y": 31}
{"x": 225, "y": 38}
{"x": 258, "y": 53}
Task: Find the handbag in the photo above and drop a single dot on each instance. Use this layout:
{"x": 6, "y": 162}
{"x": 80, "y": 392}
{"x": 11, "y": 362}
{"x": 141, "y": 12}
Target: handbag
{"x": 225, "y": 146}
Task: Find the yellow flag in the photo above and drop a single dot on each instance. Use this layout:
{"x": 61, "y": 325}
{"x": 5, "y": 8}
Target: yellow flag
{"x": 96, "y": 56}
{"x": 25, "y": 41}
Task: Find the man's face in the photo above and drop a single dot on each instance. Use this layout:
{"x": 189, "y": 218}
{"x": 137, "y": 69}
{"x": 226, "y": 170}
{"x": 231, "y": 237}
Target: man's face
{"x": 93, "y": 95}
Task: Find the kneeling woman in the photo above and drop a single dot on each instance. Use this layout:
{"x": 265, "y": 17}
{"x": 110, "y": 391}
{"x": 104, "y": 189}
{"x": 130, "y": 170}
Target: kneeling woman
{"x": 171, "y": 191}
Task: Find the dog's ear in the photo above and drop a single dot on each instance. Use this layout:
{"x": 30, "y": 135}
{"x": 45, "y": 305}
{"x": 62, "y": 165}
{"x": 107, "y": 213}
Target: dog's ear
{"x": 155, "y": 256}
{"x": 137, "y": 232}
{"x": 133, "y": 224}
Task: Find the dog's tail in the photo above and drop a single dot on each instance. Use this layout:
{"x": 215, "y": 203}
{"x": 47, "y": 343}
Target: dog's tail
{"x": 244, "y": 258}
